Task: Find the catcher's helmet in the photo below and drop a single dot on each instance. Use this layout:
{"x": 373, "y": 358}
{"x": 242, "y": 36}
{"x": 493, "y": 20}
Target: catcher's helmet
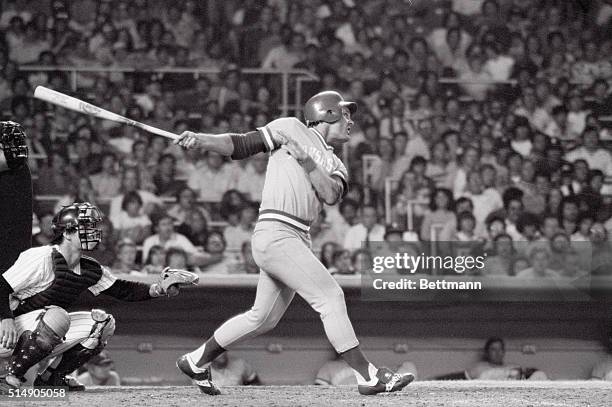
{"x": 326, "y": 107}
{"x": 82, "y": 217}
{"x": 13, "y": 143}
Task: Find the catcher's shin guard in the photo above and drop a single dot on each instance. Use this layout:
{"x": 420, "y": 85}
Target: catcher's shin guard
{"x": 78, "y": 355}
{"x": 34, "y": 346}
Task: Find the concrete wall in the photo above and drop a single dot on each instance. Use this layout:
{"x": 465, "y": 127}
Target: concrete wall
{"x": 438, "y": 337}
{"x": 302, "y": 357}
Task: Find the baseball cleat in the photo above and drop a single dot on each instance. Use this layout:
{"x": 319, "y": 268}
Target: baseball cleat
{"x": 388, "y": 382}
{"x": 202, "y": 380}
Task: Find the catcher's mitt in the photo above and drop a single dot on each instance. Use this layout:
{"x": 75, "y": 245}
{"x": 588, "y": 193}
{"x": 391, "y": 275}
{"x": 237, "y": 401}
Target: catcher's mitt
{"x": 176, "y": 277}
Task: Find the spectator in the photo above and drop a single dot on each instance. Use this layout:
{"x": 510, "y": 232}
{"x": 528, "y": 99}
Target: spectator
{"x": 600, "y": 106}
{"x": 287, "y": 55}
{"x": 247, "y": 264}
{"x": 439, "y": 169}
{"x": 596, "y": 156}
{"x": 156, "y": 261}
{"x": 213, "y": 178}
{"x": 450, "y": 41}
{"x": 493, "y": 367}
{"x": 236, "y": 235}
{"x": 130, "y": 182}
{"x": 576, "y": 117}
{"x": 466, "y": 226}
{"x": 513, "y": 208}
{"x": 450, "y": 228}
{"x": 105, "y": 251}
{"x": 502, "y": 261}
{"x": 126, "y": 257}
{"x": 585, "y": 223}
{"x": 469, "y": 163}
{"x": 475, "y": 77}
{"x": 100, "y": 372}
{"x": 418, "y": 143}
{"x": 220, "y": 262}
{"x": 107, "y": 183}
{"x": 498, "y": 65}
{"x": 321, "y": 231}
{"x": 176, "y": 258}
{"x": 167, "y": 237}
{"x": 528, "y": 107}
{"x": 601, "y": 251}
{"x": 591, "y": 66}
{"x": 440, "y": 212}
{"x": 57, "y": 174}
{"x": 568, "y": 215}
{"x": 484, "y": 201}
{"x": 522, "y": 140}
{"x": 528, "y": 226}
{"x": 185, "y": 203}
{"x": 539, "y": 258}
{"x": 232, "y": 371}
{"x": 81, "y": 191}
{"x": 45, "y": 236}
{"x": 131, "y": 223}
{"x": 327, "y": 253}
{"x": 164, "y": 179}
{"x": 195, "y": 227}
{"x": 395, "y": 121}
{"x": 361, "y": 261}
{"x": 365, "y": 232}
{"x": 348, "y": 217}
{"x": 341, "y": 263}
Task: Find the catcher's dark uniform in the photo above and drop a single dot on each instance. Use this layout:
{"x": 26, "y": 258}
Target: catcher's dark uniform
{"x": 15, "y": 195}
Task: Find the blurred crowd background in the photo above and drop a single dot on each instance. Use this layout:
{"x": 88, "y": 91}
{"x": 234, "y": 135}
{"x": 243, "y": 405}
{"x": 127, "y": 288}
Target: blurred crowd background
{"x": 479, "y": 121}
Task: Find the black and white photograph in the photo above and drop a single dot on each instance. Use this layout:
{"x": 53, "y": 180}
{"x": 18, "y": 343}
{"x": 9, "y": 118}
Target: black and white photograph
{"x": 306, "y": 203}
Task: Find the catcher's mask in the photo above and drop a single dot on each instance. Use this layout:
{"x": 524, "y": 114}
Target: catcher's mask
{"x": 13, "y": 143}
{"x": 83, "y": 218}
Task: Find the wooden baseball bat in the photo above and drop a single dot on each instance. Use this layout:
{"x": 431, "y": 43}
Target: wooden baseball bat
{"x": 72, "y": 103}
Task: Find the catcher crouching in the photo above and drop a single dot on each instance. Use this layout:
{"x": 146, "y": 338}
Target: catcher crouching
{"x": 35, "y": 291}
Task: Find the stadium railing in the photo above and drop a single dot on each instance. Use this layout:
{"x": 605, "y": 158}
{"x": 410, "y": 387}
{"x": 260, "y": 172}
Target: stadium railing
{"x": 300, "y": 75}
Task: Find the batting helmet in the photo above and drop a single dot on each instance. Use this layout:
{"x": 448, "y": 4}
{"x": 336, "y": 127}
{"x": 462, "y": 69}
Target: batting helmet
{"x": 13, "y": 143}
{"x": 326, "y": 107}
{"x": 82, "y": 217}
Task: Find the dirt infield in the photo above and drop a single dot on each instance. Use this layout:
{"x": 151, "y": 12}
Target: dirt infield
{"x": 422, "y": 394}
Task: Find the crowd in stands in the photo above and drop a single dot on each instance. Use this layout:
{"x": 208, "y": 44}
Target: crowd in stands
{"x": 491, "y": 119}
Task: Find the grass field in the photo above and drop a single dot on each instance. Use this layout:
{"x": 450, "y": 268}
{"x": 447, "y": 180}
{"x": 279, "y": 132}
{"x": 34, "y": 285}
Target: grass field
{"x": 425, "y": 394}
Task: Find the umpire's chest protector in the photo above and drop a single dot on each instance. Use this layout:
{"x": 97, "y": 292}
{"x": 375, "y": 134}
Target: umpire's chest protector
{"x": 66, "y": 287}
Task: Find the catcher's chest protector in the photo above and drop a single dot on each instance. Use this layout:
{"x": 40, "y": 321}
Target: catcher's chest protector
{"x": 66, "y": 287}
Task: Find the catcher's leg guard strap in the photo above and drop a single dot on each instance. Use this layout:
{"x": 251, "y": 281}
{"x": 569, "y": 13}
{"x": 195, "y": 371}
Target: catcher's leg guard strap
{"x": 102, "y": 329}
{"x": 34, "y": 346}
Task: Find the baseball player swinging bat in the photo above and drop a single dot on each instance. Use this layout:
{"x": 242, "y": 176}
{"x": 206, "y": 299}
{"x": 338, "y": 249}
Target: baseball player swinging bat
{"x": 72, "y": 103}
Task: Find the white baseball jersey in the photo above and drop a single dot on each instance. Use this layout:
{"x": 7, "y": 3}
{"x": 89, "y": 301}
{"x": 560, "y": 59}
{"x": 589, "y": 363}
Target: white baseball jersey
{"x": 33, "y": 272}
{"x": 288, "y": 195}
